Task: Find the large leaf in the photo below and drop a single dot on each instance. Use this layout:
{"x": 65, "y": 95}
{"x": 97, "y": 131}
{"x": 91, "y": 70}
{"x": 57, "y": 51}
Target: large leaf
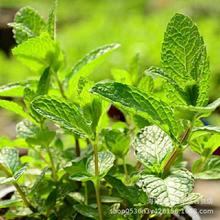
{"x": 184, "y": 58}
{"x": 152, "y": 145}
{"x": 171, "y": 191}
{"x": 130, "y": 193}
{"x": 141, "y": 103}
{"x": 39, "y": 52}
{"x": 27, "y": 23}
{"x": 14, "y": 107}
{"x": 65, "y": 114}
{"x": 10, "y": 203}
{"x": 84, "y": 66}
{"x": 105, "y": 163}
{"x": 210, "y": 170}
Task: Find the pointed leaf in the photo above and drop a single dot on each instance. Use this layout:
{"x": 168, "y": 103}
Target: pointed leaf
{"x": 184, "y": 58}
{"x": 65, "y": 114}
{"x": 15, "y": 89}
{"x": 14, "y": 107}
{"x": 141, "y": 103}
{"x": 210, "y": 170}
{"x": 44, "y": 83}
{"x": 168, "y": 192}
{"x": 84, "y": 66}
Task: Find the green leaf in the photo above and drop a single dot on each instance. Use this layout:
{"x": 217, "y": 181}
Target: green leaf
{"x": 105, "y": 163}
{"x": 152, "y": 145}
{"x": 201, "y": 111}
{"x": 51, "y": 24}
{"x": 86, "y": 65}
{"x": 65, "y": 114}
{"x": 207, "y": 129}
{"x": 122, "y": 76}
{"x": 44, "y": 83}
{"x": 184, "y": 58}
{"x": 141, "y": 103}
{"x": 6, "y": 180}
{"x": 9, "y": 158}
{"x": 210, "y": 170}
{"x": 87, "y": 211}
{"x": 170, "y": 191}
{"x": 14, "y": 107}
{"x": 92, "y": 111}
{"x": 130, "y": 193}
{"x": 40, "y": 52}
{"x": 10, "y": 203}
{"x": 33, "y": 134}
{"x": 18, "y": 142}
{"x": 15, "y": 89}
{"x": 173, "y": 88}
{"x": 27, "y": 23}
{"x": 117, "y": 141}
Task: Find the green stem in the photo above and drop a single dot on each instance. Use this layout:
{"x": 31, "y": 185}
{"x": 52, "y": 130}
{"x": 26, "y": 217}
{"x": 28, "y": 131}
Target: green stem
{"x": 60, "y": 86}
{"x": 97, "y": 181}
{"x": 125, "y": 170}
{"x": 177, "y": 150}
{"x": 19, "y": 190}
{"x": 53, "y": 167}
{"x": 86, "y": 193}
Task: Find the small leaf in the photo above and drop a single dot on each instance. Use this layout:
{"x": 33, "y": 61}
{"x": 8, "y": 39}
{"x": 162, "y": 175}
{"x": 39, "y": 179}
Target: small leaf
{"x": 39, "y": 52}
{"x": 87, "y": 211}
{"x": 15, "y": 89}
{"x": 117, "y": 141}
{"x": 105, "y": 163}
{"x": 210, "y": 170}
{"x": 130, "y": 193}
{"x": 10, "y": 203}
{"x": 141, "y": 103}
{"x": 85, "y": 66}
{"x": 168, "y": 192}
{"x": 9, "y": 158}
{"x": 201, "y": 111}
{"x": 65, "y": 114}
{"x": 18, "y": 142}
{"x": 51, "y": 24}
{"x": 6, "y": 180}
{"x": 152, "y": 145}
{"x": 27, "y": 23}
{"x": 14, "y": 107}
{"x": 44, "y": 83}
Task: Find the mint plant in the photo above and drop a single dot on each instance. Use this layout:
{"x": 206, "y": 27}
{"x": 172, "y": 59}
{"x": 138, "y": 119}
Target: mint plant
{"x": 82, "y": 164}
